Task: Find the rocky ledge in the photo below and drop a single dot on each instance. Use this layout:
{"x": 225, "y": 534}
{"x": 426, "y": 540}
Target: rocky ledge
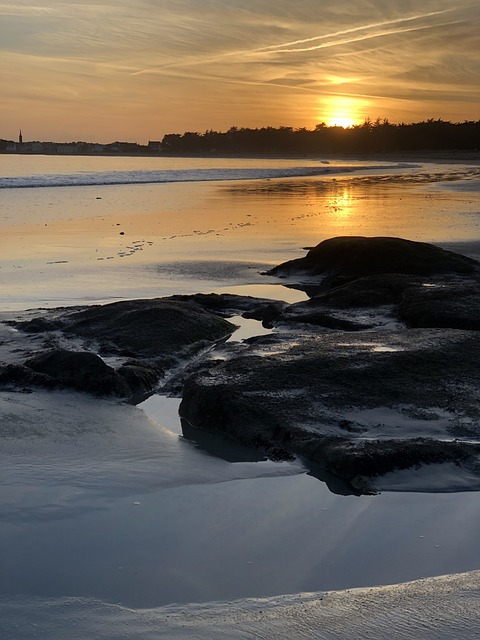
{"x": 376, "y": 373}
{"x": 122, "y": 348}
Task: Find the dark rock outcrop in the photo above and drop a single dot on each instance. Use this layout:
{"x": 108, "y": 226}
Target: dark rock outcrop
{"x": 19, "y": 376}
{"x": 79, "y": 370}
{"x": 414, "y": 283}
{"x": 346, "y": 258}
{"x": 154, "y": 334}
{"x": 148, "y": 328}
{"x": 449, "y": 306}
{"x": 326, "y": 385}
{"x": 342, "y": 400}
{"x": 37, "y": 325}
{"x": 367, "y": 291}
{"x": 140, "y": 376}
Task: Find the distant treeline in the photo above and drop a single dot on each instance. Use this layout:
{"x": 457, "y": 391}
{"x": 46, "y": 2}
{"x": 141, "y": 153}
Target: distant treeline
{"x": 379, "y": 136}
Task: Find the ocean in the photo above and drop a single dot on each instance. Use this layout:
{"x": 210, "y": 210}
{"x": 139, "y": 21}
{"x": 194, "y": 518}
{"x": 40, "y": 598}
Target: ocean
{"x": 112, "y": 524}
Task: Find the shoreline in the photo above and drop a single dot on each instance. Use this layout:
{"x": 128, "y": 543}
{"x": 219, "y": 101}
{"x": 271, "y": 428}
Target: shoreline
{"x": 440, "y": 156}
{"x": 442, "y": 607}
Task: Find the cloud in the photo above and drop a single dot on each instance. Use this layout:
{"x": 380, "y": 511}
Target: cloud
{"x": 241, "y": 61}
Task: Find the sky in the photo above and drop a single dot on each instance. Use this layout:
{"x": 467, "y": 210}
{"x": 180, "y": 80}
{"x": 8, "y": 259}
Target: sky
{"x": 138, "y": 69}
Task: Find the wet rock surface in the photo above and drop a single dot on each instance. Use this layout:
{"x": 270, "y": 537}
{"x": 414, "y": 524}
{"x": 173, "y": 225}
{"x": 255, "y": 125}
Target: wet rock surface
{"x": 358, "y": 404}
{"x": 79, "y": 370}
{"x": 358, "y": 283}
{"x": 148, "y": 328}
{"x": 375, "y": 373}
{"x": 443, "y": 305}
{"x": 62, "y": 346}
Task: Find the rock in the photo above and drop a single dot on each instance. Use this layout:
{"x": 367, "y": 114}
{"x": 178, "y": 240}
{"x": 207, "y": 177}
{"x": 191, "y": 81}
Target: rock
{"x": 358, "y": 404}
{"x": 226, "y": 304}
{"x": 37, "y": 325}
{"x": 14, "y": 376}
{"x": 140, "y": 377}
{"x": 448, "y": 306}
{"x": 156, "y": 334}
{"x": 315, "y": 312}
{"x": 342, "y": 259}
{"x": 267, "y": 312}
{"x": 414, "y": 283}
{"x": 148, "y": 328}
{"x": 79, "y": 370}
{"x": 367, "y": 291}
{"x": 360, "y": 304}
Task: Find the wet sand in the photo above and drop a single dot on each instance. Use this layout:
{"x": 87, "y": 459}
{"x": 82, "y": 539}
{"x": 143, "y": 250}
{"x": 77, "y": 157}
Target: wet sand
{"x": 83, "y": 244}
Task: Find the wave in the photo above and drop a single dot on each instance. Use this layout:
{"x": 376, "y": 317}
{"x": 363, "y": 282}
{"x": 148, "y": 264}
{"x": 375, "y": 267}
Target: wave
{"x": 84, "y": 179}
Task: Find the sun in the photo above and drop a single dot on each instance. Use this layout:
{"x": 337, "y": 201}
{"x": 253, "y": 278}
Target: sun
{"x": 340, "y": 121}
{"x": 341, "y": 111}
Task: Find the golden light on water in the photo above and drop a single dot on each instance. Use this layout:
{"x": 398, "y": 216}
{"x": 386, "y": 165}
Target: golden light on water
{"x": 341, "y": 205}
{"x": 343, "y": 111}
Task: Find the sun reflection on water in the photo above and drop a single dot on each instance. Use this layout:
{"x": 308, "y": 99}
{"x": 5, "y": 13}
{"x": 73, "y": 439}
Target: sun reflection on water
{"x": 340, "y": 205}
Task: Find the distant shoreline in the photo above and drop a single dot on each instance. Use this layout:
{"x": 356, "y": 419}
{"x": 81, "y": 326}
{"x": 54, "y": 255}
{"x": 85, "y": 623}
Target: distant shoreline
{"x": 447, "y": 156}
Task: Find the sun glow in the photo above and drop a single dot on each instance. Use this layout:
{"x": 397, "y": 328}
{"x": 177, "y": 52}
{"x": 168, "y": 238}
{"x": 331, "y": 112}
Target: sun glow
{"x": 340, "y": 121}
{"x": 340, "y": 111}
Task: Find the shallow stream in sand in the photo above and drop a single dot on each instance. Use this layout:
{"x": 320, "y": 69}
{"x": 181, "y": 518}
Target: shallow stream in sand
{"x": 107, "y": 503}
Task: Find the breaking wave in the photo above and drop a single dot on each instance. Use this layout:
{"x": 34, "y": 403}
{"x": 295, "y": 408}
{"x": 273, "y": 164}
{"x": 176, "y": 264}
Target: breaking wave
{"x": 85, "y": 178}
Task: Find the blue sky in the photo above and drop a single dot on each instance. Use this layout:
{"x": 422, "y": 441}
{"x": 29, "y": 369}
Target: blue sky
{"x": 137, "y": 69}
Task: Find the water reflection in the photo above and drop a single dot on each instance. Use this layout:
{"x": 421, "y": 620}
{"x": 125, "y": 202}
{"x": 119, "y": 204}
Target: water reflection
{"x": 153, "y": 519}
{"x": 393, "y": 204}
{"x": 220, "y": 446}
{"x": 341, "y": 203}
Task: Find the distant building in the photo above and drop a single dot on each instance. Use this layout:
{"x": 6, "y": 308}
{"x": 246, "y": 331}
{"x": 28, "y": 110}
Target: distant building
{"x": 20, "y": 137}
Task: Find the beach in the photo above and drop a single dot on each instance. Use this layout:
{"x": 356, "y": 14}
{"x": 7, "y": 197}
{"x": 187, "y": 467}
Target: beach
{"x": 113, "y": 518}
{"x": 71, "y": 244}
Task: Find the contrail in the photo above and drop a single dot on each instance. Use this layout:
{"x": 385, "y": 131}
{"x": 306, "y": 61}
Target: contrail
{"x": 281, "y": 48}
{"x": 368, "y": 36}
{"x": 344, "y": 32}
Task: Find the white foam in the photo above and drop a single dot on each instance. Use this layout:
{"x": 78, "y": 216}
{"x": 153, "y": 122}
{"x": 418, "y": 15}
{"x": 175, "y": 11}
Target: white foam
{"x": 89, "y": 178}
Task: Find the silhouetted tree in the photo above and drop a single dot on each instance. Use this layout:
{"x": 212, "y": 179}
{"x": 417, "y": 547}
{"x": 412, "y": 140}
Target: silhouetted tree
{"x": 375, "y": 136}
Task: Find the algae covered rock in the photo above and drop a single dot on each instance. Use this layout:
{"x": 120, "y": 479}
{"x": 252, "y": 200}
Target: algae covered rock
{"x": 148, "y": 328}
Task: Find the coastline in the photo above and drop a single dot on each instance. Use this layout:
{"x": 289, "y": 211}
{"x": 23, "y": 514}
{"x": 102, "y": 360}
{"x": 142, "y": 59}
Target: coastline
{"x": 446, "y": 156}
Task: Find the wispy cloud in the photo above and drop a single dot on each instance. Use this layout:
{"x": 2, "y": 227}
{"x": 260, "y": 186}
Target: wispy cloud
{"x": 212, "y": 63}
{"x": 375, "y": 25}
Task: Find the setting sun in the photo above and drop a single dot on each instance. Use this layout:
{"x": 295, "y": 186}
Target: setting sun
{"x": 340, "y": 121}
{"x": 342, "y": 111}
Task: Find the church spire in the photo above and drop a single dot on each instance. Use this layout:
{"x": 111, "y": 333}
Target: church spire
{"x": 20, "y": 137}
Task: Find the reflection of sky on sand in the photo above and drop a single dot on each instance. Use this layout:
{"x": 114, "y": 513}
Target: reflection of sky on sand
{"x": 106, "y": 242}
{"x": 118, "y": 507}
{"x": 390, "y": 205}
{"x": 341, "y": 205}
